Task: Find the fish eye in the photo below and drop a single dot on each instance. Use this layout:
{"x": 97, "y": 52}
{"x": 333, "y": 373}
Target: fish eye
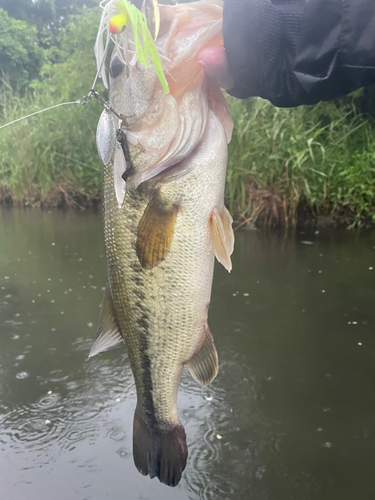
{"x": 116, "y": 67}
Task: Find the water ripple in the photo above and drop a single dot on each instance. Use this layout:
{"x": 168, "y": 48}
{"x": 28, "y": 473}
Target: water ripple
{"x": 72, "y": 410}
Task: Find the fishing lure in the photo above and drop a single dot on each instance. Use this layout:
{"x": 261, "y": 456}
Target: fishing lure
{"x": 129, "y": 14}
{"x": 117, "y": 24}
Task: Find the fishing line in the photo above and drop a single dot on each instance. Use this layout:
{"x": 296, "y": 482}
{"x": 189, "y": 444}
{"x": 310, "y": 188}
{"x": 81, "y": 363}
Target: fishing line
{"x": 101, "y": 64}
{"x": 92, "y": 93}
{"x": 41, "y": 111}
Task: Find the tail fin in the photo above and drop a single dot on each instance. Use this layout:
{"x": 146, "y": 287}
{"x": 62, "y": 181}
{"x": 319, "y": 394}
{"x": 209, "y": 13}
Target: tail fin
{"x": 161, "y": 454}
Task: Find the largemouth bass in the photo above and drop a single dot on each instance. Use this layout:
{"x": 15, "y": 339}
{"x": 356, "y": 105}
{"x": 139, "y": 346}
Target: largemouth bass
{"x": 164, "y": 221}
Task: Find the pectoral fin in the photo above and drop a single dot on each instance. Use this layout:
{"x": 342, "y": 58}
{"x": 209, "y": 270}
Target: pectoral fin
{"x": 222, "y": 237}
{"x": 204, "y": 365}
{"x": 155, "y": 233}
{"x": 108, "y": 335}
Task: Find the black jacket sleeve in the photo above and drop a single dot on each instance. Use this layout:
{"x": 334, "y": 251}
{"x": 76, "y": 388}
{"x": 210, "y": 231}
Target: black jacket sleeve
{"x": 294, "y": 52}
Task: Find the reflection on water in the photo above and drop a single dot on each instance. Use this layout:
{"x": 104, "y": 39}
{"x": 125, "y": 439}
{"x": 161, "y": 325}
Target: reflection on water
{"x": 290, "y": 415}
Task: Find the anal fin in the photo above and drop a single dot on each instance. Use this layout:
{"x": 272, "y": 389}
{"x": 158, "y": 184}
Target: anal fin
{"x": 108, "y": 335}
{"x": 222, "y": 236}
{"x": 204, "y": 365}
{"x": 155, "y": 233}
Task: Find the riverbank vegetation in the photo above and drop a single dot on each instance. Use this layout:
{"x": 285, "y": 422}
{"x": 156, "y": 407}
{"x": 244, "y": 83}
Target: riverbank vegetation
{"x": 51, "y": 159}
{"x": 289, "y": 166}
{"x": 286, "y": 166}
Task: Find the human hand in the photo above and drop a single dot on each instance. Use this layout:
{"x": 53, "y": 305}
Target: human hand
{"x": 214, "y": 62}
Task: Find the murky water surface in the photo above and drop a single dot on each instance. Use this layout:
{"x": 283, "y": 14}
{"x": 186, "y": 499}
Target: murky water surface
{"x": 291, "y": 414}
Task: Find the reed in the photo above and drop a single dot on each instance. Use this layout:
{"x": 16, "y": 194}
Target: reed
{"x": 321, "y": 157}
{"x": 51, "y": 159}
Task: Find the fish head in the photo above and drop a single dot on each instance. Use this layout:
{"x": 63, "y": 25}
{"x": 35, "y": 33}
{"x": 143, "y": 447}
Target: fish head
{"x": 163, "y": 128}
{"x": 133, "y": 90}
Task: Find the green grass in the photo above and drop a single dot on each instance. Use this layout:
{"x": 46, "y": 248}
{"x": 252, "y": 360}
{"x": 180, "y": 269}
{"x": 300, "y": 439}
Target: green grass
{"x": 320, "y": 156}
{"x": 51, "y": 158}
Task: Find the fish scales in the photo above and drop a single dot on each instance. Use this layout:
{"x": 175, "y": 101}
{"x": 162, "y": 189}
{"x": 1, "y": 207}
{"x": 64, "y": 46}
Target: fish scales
{"x": 173, "y": 306}
{"x": 162, "y": 237}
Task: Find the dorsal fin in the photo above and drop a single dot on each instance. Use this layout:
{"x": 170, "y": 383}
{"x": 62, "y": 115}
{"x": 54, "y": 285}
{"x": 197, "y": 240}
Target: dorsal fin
{"x": 203, "y": 366}
{"x": 108, "y": 335}
{"x": 155, "y": 232}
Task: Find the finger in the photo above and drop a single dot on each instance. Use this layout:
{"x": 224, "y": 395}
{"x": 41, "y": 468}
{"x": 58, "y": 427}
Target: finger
{"x": 214, "y": 62}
